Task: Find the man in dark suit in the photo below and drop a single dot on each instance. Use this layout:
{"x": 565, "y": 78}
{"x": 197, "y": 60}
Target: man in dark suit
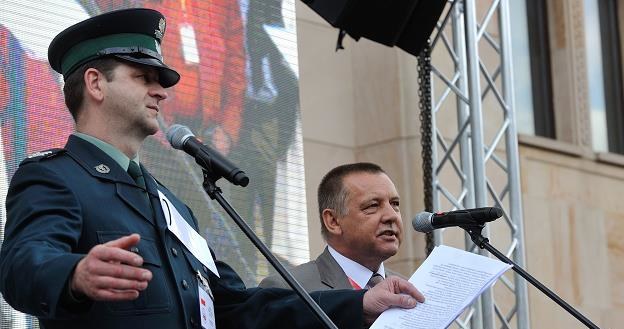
{"x": 361, "y": 222}
{"x": 88, "y": 243}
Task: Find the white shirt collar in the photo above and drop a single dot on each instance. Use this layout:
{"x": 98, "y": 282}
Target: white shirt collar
{"x": 355, "y": 270}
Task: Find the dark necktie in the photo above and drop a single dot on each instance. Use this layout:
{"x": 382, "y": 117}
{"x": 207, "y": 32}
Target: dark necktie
{"x": 374, "y": 280}
{"x": 135, "y": 172}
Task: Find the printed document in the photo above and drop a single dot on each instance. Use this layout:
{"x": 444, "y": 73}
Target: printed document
{"x": 451, "y": 279}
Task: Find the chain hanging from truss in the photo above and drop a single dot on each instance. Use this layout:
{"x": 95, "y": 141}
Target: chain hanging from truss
{"x": 424, "y": 95}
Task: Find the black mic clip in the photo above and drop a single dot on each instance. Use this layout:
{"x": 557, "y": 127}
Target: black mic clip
{"x": 474, "y": 231}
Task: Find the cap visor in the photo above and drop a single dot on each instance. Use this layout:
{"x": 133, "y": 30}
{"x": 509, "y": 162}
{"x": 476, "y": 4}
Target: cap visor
{"x": 166, "y": 76}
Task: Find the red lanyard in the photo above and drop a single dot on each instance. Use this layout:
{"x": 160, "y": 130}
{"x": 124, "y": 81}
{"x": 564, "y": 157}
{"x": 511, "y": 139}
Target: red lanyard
{"x": 354, "y": 284}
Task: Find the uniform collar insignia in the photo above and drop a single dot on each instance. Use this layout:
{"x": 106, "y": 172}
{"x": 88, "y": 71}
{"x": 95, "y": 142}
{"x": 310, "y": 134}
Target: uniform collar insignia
{"x": 39, "y": 154}
{"x": 102, "y": 169}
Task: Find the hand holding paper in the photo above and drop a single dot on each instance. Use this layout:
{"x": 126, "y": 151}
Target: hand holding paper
{"x": 391, "y": 292}
{"x": 450, "y": 279}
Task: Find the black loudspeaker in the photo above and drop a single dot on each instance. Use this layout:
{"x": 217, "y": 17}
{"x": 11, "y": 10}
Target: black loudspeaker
{"x": 403, "y": 23}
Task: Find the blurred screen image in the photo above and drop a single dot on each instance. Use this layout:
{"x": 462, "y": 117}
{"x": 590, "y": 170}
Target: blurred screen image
{"x": 238, "y": 92}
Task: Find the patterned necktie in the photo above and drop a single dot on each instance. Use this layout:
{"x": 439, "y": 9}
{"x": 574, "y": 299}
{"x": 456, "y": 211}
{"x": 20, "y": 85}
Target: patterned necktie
{"x": 374, "y": 280}
{"x": 135, "y": 172}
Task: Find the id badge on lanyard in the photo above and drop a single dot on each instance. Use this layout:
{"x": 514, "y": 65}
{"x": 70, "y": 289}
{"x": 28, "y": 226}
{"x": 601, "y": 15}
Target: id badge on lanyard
{"x": 206, "y": 303}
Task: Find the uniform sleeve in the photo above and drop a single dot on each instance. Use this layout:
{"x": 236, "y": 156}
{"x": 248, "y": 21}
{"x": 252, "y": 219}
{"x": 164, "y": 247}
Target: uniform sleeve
{"x": 264, "y": 308}
{"x": 273, "y": 281}
{"x": 42, "y": 228}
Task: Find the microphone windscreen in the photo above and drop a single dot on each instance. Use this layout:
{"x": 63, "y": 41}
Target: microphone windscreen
{"x": 422, "y": 222}
{"x": 177, "y": 135}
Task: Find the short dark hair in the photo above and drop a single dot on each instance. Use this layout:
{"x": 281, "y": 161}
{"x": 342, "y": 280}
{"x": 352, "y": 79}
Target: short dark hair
{"x": 74, "y": 84}
{"x": 332, "y": 193}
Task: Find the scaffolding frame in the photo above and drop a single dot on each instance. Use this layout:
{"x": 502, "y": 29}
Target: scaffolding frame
{"x": 463, "y": 165}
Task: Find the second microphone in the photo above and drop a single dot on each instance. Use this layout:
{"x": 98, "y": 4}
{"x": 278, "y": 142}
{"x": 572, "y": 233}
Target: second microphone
{"x": 426, "y": 222}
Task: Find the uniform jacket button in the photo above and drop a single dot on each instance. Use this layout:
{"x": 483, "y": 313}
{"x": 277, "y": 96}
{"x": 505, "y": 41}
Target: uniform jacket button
{"x": 184, "y": 284}
{"x": 135, "y": 249}
{"x": 174, "y": 251}
{"x": 45, "y": 308}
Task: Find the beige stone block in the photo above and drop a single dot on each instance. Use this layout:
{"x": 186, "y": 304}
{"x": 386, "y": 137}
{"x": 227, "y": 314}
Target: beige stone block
{"x": 564, "y": 246}
{"x": 614, "y": 223}
{"x": 554, "y": 231}
{"x": 538, "y": 232}
{"x": 319, "y": 159}
{"x": 540, "y": 310}
{"x": 326, "y": 87}
{"x": 605, "y": 191}
{"x": 611, "y": 318}
{"x": 590, "y": 257}
{"x": 546, "y": 314}
{"x": 536, "y": 178}
{"x": 575, "y": 179}
{"x": 377, "y": 92}
{"x": 568, "y": 183}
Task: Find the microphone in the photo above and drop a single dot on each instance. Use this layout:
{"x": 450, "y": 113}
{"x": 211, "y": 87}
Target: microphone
{"x": 181, "y": 138}
{"x": 426, "y": 222}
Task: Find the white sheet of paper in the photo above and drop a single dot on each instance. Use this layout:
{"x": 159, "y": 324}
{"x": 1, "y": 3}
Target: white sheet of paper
{"x": 451, "y": 279}
{"x": 194, "y": 242}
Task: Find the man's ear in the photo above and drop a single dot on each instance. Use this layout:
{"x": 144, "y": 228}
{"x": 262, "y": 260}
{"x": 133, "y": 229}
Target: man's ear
{"x": 93, "y": 80}
{"x": 331, "y": 222}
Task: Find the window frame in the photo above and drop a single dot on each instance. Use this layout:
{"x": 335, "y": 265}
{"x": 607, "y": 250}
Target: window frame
{"x": 612, "y": 73}
{"x": 541, "y": 70}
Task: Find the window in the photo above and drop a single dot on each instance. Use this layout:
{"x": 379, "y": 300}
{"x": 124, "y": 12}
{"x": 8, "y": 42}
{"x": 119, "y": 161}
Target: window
{"x": 541, "y": 76}
{"x": 531, "y": 68}
{"x": 612, "y": 138}
{"x": 604, "y": 75}
{"x": 521, "y": 67}
{"x": 595, "y": 76}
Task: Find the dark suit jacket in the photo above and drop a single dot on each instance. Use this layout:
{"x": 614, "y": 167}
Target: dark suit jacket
{"x": 323, "y": 273}
{"x": 59, "y": 206}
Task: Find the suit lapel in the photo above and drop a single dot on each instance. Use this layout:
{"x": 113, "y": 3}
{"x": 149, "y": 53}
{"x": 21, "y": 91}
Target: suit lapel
{"x": 331, "y": 273}
{"x": 100, "y": 165}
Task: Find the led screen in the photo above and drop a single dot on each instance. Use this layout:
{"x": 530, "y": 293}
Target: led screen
{"x": 238, "y": 92}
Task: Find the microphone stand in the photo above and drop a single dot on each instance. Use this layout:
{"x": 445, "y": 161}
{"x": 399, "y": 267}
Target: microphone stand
{"x": 215, "y": 193}
{"x": 475, "y": 234}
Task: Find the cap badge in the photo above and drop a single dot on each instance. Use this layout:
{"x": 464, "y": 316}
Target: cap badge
{"x": 158, "y": 50}
{"x": 102, "y": 169}
{"x": 160, "y": 32}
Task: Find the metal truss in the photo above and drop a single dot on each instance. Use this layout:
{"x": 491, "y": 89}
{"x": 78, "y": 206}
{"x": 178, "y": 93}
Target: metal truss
{"x": 475, "y": 162}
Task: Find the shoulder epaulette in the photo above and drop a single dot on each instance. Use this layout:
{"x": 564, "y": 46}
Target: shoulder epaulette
{"x": 42, "y": 155}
